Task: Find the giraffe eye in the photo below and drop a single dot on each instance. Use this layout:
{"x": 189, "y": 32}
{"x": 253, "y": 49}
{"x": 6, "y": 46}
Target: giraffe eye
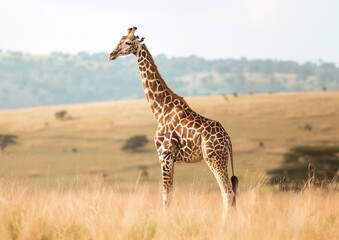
{"x": 128, "y": 43}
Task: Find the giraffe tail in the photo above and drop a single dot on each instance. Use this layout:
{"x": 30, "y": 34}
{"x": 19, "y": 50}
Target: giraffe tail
{"x": 234, "y": 179}
{"x": 235, "y": 182}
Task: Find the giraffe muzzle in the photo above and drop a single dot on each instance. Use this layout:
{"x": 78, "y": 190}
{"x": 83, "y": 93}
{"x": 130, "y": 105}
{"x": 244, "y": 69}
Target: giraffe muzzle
{"x": 112, "y": 56}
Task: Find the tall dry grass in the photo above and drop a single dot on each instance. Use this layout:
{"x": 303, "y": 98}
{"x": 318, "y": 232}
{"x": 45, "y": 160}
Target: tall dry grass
{"x": 99, "y": 211}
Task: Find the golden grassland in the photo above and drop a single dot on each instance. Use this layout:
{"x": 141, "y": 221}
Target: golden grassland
{"x": 71, "y": 180}
{"x": 102, "y": 211}
{"x": 262, "y": 128}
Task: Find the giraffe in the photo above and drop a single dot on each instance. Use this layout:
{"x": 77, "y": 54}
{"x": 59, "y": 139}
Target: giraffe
{"x": 182, "y": 134}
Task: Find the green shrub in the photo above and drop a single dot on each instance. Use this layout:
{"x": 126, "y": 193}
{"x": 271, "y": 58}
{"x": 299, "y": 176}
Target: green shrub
{"x": 62, "y": 115}
{"x": 135, "y": 143}
{"x": 7, "y": 139}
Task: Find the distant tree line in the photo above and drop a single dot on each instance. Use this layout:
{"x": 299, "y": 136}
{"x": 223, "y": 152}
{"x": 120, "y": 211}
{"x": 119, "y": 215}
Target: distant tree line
{"x": 60, "y": 78}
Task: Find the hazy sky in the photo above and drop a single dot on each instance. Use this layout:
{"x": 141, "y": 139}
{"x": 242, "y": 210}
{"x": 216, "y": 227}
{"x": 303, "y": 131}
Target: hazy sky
{"x": 299, "y": 30}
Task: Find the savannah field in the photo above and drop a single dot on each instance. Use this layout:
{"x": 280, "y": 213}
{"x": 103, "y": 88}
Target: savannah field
{"x": 70, "y": 179}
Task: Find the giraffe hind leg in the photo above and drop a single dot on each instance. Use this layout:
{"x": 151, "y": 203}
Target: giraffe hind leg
{"x": 219, "y": 170}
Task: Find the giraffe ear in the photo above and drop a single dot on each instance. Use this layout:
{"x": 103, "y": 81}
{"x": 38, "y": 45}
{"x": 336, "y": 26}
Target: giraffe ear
{"x": 142, "y": 40}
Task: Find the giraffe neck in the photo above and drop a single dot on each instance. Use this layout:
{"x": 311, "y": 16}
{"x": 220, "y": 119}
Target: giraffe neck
{"x": 157, "y": 93}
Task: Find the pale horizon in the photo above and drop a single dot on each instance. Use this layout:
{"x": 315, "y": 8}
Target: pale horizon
{"x": 284, "y": 30}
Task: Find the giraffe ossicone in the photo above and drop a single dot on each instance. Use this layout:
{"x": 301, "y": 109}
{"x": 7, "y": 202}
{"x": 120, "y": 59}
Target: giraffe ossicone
{"x": 182, "y": 134}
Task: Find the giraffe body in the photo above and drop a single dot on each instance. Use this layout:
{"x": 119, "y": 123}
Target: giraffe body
{"x": 182, "y": 134}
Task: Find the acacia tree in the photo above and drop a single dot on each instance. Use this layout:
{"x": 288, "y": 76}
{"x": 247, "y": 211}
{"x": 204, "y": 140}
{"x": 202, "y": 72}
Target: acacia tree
{"x": 318, "y": 164}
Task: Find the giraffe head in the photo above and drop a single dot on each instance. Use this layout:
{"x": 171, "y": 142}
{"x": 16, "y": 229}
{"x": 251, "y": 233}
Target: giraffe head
{"x": 128, "y": 44}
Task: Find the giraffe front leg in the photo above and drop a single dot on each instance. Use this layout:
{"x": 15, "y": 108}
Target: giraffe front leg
{"x": 167, "y": 170}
